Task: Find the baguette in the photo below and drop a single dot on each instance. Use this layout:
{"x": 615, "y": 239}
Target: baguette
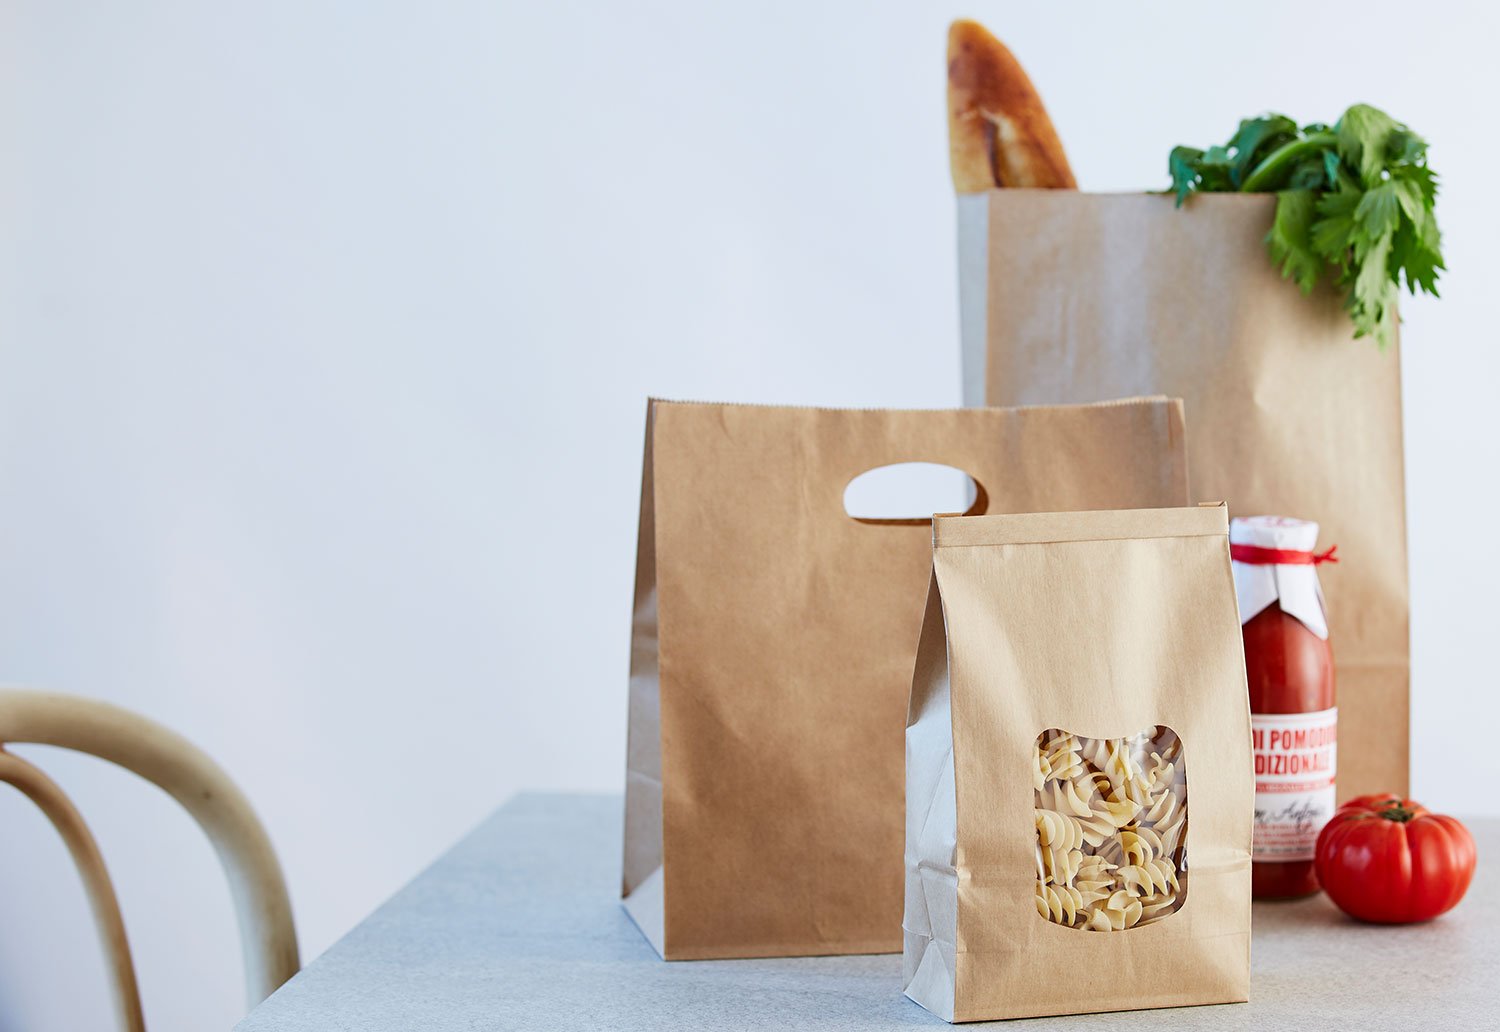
{"x": 999, "y": 134}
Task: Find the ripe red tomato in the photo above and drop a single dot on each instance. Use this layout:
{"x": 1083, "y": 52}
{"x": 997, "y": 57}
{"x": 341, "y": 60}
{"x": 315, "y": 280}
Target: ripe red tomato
{"x": 1386, "y": 859}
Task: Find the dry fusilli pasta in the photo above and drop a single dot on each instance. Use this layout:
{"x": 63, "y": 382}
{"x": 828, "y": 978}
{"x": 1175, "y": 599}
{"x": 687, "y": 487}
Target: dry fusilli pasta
{"x": 1111, "y": 820}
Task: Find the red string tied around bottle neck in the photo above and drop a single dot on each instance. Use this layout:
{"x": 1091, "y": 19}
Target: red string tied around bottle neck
{"x": 1257, "y": 556}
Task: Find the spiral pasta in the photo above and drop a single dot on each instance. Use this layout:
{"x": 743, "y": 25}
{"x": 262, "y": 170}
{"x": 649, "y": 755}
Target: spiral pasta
{"x": 1111, "y": 822}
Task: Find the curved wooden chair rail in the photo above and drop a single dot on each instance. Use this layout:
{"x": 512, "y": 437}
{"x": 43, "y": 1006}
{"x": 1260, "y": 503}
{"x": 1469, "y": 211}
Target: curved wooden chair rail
{"x": 182, "y": 770}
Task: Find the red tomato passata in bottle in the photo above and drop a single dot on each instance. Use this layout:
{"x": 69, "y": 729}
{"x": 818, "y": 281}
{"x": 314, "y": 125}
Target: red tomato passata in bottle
{"x": 1293, "y": 719}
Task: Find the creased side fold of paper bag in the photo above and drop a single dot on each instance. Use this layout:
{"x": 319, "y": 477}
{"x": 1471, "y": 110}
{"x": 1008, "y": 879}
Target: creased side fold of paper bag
{"x": 931, "y": 920}
{"x": 643, "y": 883}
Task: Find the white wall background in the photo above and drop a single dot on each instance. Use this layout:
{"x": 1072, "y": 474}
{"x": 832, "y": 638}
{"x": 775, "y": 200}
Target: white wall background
{"x": 325, "y": 333}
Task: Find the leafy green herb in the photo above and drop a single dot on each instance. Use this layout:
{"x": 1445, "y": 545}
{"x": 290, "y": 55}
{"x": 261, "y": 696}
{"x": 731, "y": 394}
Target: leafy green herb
{"x": 1354, "y": 203}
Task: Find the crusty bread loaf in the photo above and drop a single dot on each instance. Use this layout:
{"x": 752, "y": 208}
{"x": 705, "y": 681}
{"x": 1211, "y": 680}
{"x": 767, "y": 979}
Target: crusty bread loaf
{"x": 998, "y": 131}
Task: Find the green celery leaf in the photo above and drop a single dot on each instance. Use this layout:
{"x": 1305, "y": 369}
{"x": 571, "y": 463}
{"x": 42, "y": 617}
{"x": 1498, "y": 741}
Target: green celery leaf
{"x": 1409, "y": 195}
{"x": 1256, "y": 138}
{"x": 1419, "y": 259}
{"x": 1331, "y": 168}
{"x": 1379, "y": 211}
{"x": 1213, "y": 170}
{"x": 1355, "y": 203}
{"x": 1308, "y": 174}
{"x": 1334, "y": 230}
{"x": 1291, "y": 248}
{"x": 1406, "y": 147}
{"x": 1182, "y": 163}
{"x": 1387, "y": 317}
{"x": 1363, "y": 134}
{"x": 1424, "y": 178}
{"x": 1370, "y": 297}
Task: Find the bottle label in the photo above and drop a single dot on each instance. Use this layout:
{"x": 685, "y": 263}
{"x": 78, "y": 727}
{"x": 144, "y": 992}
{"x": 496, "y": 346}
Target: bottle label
{"x": 1295, "y": 758}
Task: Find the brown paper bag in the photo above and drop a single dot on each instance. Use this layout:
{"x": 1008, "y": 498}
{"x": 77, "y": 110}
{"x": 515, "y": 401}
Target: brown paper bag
{"x": 1079, "y": 787}
{"x": 1071, "y": 297}
{"x": 772, "y": 648}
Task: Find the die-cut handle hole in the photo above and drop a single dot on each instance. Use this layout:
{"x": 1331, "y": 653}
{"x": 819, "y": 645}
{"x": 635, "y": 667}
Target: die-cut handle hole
{"x": 908, "y": 493}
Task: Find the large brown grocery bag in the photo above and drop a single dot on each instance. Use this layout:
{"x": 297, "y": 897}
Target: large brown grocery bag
{"x": 1070, "y": 297}
{"x": 1079, "y": 785}
{"x": 773, "y": 642}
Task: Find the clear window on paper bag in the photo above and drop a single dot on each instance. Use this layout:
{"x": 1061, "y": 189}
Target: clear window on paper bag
{"x": 1111, "y": 829}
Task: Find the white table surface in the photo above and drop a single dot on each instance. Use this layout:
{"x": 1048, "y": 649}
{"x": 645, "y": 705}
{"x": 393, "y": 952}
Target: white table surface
{"x": 519, "y": 927}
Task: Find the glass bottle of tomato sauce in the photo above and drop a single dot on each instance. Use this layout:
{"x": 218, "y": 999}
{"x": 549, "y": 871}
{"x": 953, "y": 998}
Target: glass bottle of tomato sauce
{"x": 1293, "y": 720}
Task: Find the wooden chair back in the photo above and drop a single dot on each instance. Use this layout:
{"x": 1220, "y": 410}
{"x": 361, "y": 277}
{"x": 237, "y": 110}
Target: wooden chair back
{"x": 267, "y": 936}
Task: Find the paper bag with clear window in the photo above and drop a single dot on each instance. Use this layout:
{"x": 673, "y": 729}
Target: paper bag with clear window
{"x": 772, "y": 649}
{"x": 1079, "y": 787}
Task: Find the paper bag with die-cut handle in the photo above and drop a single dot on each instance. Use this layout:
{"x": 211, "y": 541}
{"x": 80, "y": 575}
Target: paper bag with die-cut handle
{"x": 772, "y": 646}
